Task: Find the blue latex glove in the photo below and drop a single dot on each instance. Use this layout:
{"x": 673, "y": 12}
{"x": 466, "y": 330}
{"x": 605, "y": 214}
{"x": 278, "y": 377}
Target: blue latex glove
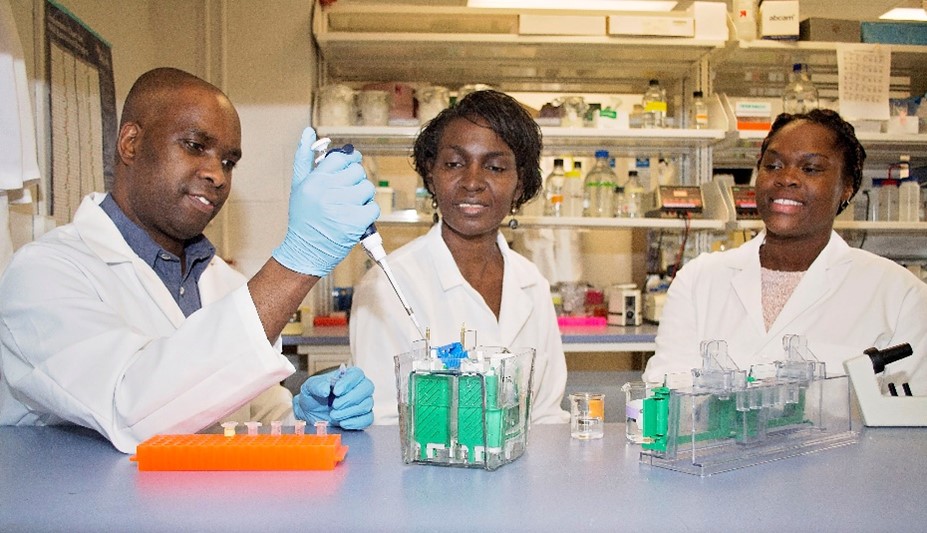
{"x": 348, "y": 403}
{"x": 330, "y": 208}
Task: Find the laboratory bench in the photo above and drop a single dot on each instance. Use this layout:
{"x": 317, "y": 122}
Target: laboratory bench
{"x": 328, "y": 346}
{"x": 71, "y": 479}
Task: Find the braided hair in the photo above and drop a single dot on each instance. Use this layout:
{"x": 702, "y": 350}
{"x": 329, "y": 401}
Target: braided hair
{"x": 854, "y": 155}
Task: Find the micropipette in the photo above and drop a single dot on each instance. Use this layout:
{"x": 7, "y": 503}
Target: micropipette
{"x": 371, "y": 240}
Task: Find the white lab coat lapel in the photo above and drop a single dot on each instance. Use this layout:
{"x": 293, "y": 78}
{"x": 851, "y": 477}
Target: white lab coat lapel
{"x": 822, "y": 278}
{"x": 103, "y": 238}
{"x": 517, "y": 305}
{"x": 443, "y": 262}
{"x": 745, "y": 280}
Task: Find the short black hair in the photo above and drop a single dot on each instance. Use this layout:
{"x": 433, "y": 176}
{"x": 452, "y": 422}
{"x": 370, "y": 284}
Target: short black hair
{"x": 854, "y": 155}
{"x": 507, "y": 118}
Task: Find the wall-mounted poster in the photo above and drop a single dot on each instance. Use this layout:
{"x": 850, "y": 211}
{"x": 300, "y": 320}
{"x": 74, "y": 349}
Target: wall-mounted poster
{"x": 82, "y": 108}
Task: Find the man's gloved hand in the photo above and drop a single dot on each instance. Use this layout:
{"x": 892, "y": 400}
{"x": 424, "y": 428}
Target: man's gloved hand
{"x": 348, "y": 403}
{"x": 330, "y": 208}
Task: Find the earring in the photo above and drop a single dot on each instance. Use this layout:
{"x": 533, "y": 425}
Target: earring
{"x": 434, "y": 206}
{"x": 513, "y": 222}
{"x": 843, "y": 206}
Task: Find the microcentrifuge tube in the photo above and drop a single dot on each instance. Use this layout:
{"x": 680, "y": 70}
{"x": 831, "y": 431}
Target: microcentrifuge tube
{"x": 229, "y": 428}
{"x": 299, "y": 427}
{"x": 253, "y": 427}
{"x": 321, "y": 427}
{"x": 275, "y": 427}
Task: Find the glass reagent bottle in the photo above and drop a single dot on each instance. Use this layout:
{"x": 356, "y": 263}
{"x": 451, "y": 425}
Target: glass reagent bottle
{"x": 800, "y": 94}
{"x": 599, "y": 187}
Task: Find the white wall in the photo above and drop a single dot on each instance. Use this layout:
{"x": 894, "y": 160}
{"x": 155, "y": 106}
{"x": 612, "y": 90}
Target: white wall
{"x": 269, "y": 71}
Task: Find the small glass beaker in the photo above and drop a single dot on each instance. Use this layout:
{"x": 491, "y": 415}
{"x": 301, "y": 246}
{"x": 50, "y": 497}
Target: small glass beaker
{"x": 587, "y": 415}
{"x": 634, "y": 394}
{"x": 374, "y": 107}
{"x": 573, "y": 298}
{"x": 574, "y": 111}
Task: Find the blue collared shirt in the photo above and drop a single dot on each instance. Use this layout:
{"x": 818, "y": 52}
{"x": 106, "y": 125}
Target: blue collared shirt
{"x": 183, "y": 286}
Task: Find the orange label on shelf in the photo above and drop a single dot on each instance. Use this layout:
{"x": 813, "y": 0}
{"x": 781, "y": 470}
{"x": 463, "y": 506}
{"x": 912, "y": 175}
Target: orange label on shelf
{"x": 750, "y": 125}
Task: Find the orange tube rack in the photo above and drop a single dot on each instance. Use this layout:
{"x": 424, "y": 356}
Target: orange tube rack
{"x": 240, "y": 452}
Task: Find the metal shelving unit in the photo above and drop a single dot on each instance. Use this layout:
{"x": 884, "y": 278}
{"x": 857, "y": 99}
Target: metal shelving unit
{"x": 412, "y": 218}
{"x": 456, "y": 45}
{"x": 398, "y": 140}
{"x": 453, "y": 46}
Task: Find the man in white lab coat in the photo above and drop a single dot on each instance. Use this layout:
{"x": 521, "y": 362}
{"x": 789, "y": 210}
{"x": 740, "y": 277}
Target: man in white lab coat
{"x": 126, "y": 322}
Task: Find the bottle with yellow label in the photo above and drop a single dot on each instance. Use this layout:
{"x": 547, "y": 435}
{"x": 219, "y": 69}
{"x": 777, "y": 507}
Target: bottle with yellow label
{"x": 654, "y": 103}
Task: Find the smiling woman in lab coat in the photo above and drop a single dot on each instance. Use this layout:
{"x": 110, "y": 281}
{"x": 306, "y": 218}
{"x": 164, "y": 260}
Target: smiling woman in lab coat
{"x": 479, "y": 160}
{"x": 798, "y": 276}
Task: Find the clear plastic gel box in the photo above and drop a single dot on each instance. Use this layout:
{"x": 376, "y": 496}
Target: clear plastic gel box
{"x": 466, "y": 408}
{"x": 731, "y": 418}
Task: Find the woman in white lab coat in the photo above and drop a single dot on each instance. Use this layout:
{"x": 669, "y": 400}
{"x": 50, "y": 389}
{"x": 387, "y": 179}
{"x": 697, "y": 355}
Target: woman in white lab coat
{"x": 479, "y": 160}
{"x": 798, "y": 276}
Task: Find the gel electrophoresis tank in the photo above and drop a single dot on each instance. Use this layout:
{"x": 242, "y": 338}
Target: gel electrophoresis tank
{"x": 467, "y": 408}
{"x": 729, "y": 418}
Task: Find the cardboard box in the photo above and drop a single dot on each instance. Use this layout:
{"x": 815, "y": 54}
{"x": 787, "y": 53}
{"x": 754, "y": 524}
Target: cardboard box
{"x": 561, "y": 25}
{"x": 652, "y": 24}
{"x": 779, "y": 19}
{"x": 894, "y": 32}
{"x": 710, "y": 20}
{"x": 829, "y": 30}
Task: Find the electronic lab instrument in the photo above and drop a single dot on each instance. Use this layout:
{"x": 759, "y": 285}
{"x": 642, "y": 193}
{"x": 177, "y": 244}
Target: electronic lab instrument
{"x": 624, "y": 305}
{"x": 679, "y": 201}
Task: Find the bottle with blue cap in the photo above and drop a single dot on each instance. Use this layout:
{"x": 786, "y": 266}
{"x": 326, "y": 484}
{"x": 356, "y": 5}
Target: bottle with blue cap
{"x": 599, "y": 187}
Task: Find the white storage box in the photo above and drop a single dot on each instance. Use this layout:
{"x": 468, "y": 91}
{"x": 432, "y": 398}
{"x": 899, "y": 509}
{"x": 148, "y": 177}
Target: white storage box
{"x": 710, "y": 20}
{"x": 779, "y": 19}
{"x": 652, "y": 24}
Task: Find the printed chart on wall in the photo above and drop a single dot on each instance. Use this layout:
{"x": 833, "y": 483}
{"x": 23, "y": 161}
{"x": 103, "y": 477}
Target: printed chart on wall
{"x": 82, "y": 108}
